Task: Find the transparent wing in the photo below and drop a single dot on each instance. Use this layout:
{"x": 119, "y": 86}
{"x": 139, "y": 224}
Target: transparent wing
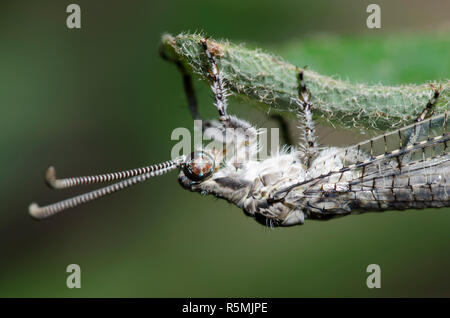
{"x": 407, "y": 168}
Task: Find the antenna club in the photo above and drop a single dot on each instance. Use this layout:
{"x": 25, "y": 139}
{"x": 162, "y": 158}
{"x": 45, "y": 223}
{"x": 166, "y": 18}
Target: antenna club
{"x": 50, "y": 177}
{"x": 35, "y": 211}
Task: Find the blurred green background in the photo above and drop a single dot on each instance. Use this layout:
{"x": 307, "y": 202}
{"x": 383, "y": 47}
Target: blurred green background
{"x": 100, "y": 99}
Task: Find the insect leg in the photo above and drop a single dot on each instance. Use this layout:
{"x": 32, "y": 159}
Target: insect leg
{"x": 218, "y": 85}
{"x": 218, "y": 88}
{"x": 240, "y": 133}
{"x": 221, "y": 93}
{"x": 426, "y": 112}
{"x": 187, "y": 84}
{"x": 284, "y": 128}
{"x": 305, "y": 115}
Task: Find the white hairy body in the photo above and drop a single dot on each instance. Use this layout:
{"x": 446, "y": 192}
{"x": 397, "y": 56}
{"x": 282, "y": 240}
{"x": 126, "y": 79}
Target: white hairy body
{"x": 250, "y": 183}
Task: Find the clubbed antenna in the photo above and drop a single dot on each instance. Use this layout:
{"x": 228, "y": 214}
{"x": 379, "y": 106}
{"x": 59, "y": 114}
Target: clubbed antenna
{"x": 46, "y": 211}
{"x": 53, "y": 182}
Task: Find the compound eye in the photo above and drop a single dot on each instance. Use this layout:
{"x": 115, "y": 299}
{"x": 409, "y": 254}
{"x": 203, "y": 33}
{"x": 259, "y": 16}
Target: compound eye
{"x": 199, "y": 166}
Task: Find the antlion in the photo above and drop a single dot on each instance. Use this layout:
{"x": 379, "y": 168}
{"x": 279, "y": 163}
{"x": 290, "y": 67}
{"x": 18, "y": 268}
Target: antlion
{"x": 405, "y": 169}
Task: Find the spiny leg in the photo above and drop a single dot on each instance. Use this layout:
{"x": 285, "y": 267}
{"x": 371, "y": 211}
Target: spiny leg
{"x": 426, "y": 112}
{"x": 187, "y": 84}
{"x": 218, "y": 85}
{"x": 309, "y": 134}
{"x": 211, "y": 128}
{"x": 220, "y": 94}
{"x": 243, "y": 133}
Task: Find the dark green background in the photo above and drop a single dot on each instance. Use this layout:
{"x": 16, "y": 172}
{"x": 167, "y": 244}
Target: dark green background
{"x": 101, "y": 99}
